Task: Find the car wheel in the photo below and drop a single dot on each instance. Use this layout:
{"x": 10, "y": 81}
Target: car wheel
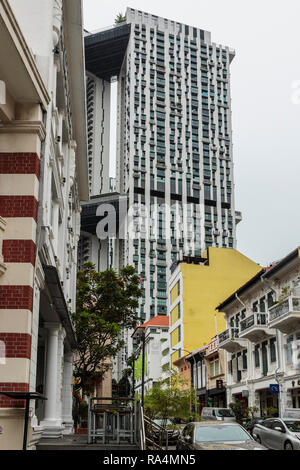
{"x": 288, "y": 446}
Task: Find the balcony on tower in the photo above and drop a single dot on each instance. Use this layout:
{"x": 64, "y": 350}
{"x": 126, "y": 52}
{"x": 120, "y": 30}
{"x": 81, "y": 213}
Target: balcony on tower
{"x": 285, "y": 315}
{"x": 230, "y": 340}
{"x": 255, "y": 327}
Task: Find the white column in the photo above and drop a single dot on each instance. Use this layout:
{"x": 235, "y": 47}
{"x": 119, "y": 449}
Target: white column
{"x": 67, "y": 403}
{"x": 52, "y": 427}
{"x": 60, "y": 368}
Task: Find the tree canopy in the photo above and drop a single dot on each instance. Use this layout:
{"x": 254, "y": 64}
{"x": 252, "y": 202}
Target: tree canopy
{"x": 106, "y": 303}
{"x": 120, "y": 18}
{"x": 168, "y": 400}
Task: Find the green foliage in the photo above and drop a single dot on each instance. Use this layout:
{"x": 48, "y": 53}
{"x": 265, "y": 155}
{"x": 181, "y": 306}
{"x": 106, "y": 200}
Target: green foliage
{"x": 167, "y": 400}
{"x": 238, "y": 408}
{"x": 124, "y": 387}
{"x": 285, "y": 292}
{"x": 120, "y": 18}
{"x": 271, "y": 412}
{"x": 251, "y": 411}
{"x": 106, "y": 304}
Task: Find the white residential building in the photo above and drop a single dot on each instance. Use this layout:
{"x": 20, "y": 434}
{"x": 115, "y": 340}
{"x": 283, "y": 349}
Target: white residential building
{"x": 262, "y": 339}
{"x": 174, "y": 144}
{"x": 156, "y": 352}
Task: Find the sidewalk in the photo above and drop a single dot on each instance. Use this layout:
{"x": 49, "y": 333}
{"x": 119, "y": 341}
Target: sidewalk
{"x": 79, "y": 442}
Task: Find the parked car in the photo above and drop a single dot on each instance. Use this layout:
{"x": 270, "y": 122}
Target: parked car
{"x": 216, "y": 435}
{"x": 249, "y": 425}
{"x": 172, "y": 430}
{"x": 217, "y": 414}
{"x": 278, "y": 434}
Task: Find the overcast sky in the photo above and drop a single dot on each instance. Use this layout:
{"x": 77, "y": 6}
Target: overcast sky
{"x": 265, "y": 107}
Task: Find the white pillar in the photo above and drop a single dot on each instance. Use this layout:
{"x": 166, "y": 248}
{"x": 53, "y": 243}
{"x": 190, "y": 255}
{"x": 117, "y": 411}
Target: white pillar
{"x": 60, "y": 368}
{"x": 67, "y": 404}
{"x": 52, "y": 426}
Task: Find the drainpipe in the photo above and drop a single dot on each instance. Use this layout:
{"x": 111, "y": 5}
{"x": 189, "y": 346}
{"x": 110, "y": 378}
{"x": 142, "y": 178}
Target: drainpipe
{"x": 277, "y": 347}
{"x": 237, "y": 297}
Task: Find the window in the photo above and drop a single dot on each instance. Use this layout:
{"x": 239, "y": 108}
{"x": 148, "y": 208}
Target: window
{"x": 270, "y": 299}
{"x": 256, "y": 356}
{"x": 289, "y": 349}
{"x": 245, "y": 365}
{"x": 264, "y": 353}
{"x": 214, "y": 368}
{"x": 262, "y": 305}
{"x": 273, "y": 349}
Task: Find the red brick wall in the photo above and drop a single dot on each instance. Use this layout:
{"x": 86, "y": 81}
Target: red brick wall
{"x": 19, "y": 251}
{"x": 20, "y": 163}
{"x": 18, "y": 206}
{"x": 6, "y": 402}
{"x": 16, "y": 344}
{"x": 16, "y": 297}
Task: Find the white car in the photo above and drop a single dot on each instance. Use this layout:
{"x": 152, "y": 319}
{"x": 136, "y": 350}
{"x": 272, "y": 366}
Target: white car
{"x": 217, "y": 414}
{"x": 278, "y": 434}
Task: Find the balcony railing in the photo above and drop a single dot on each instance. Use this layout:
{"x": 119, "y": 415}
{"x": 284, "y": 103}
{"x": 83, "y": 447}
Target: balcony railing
{"x": 255, "y": 328}
{"x": 230, "y": 340}
{"x": 259, "y": 319}
{"x": 291, "y": 304}
{"x": 285, "y": 315}
{"x": 230, "y": 334}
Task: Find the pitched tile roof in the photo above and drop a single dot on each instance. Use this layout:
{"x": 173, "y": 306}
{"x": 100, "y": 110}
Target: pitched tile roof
{"x": 159, "y": 320}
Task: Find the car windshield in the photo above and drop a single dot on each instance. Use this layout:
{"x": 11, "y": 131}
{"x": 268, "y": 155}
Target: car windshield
{"x": 217, "y": 433}
{"x": 163, "y": 422}
{"x": 225, "y": 413}
{"x": 293, "y": 426}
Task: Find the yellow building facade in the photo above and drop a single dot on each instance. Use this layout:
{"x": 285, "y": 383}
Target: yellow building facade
{"x": 195, "y": 290}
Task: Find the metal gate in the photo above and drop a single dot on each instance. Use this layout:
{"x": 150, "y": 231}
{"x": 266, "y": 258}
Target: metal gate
{"x": 112, "y": 420}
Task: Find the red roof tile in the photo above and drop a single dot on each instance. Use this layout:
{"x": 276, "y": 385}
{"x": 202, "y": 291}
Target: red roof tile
{"x": 159, "y": 320}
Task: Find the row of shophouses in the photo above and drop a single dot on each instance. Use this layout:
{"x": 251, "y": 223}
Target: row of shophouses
{"x": 233, "y": 330}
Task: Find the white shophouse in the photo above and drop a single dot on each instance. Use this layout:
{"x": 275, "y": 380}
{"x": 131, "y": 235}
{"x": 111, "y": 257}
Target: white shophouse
{"x": 262, "y": 339}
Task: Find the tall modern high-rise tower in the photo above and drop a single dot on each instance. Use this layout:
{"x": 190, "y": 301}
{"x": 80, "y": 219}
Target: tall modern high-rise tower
{"x": 174, "y": 146}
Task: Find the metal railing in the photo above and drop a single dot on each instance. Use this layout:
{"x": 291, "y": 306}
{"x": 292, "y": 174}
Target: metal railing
{"x": 290, "y": 304}
{"x": 140, "y": 427}
{"x": 257, "y": 319}
{"x": 156, "y": 435}
{"x": 112, "y": 420}
{"x": 230, "y": 334}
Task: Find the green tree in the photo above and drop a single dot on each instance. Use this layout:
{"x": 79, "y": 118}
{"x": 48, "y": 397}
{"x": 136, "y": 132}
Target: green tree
{"x": 169, "y": 400}
{"x": 120, "y": 18}
{"x": 239, "y": 409}
{"x": 106, "y": 303}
